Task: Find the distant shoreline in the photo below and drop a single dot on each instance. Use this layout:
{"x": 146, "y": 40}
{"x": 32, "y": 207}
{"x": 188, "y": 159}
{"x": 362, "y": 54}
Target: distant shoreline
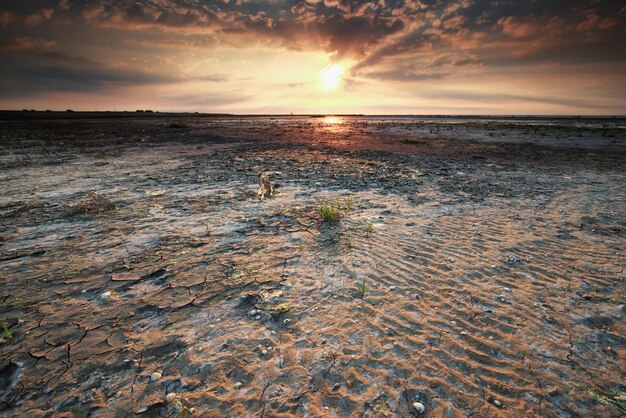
{"x": 80, "y": 114}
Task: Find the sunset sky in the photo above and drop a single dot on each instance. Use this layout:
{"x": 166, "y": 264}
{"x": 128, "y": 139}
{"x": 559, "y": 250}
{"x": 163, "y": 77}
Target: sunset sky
{"x": 328, "y": 56}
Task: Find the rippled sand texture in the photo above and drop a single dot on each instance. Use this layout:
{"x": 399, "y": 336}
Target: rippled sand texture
{"x": 480, "y": 283}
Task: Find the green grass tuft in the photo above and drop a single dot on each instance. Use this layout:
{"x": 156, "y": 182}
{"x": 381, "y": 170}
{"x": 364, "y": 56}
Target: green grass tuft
{"x": 329, "y": 212}
{"x": 7, "y": 331}
{"x": 361, "y": 289}
{"x": 78, "y": 413}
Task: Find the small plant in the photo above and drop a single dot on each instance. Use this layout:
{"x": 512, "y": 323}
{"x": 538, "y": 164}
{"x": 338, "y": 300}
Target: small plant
{"x": 78, "y": 413}
{"x": 369, "y": 228}
{"x": 439, "y": 338}
{"x": 329, "y": 212}
{"x": 361, "y": 289}
{"x": 208, "y": 230}
{"x": 184, "y": 411}
{"x": 7, "y": 331}
{"x": 614, "y": 397}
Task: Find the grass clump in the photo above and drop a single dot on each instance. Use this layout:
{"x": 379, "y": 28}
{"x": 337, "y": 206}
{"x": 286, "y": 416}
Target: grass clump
{"x": 616, "y": 398}
{"x": 361, "y": 289}
{"x": 329, "y": 212}
{"x": 78, "y": 413}
{"x": 92, "y": 202}
{"x": 7, "y": 331}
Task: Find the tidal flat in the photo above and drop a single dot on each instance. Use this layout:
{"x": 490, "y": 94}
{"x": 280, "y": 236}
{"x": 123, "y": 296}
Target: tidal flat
{"x": 475, "y": 267}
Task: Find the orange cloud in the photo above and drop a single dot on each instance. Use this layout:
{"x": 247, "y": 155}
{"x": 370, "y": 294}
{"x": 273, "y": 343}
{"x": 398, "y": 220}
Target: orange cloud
{"x": 39, "y": 17}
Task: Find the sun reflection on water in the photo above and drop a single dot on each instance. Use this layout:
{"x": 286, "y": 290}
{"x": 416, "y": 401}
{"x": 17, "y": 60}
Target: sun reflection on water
{"x": 332, "y": 120}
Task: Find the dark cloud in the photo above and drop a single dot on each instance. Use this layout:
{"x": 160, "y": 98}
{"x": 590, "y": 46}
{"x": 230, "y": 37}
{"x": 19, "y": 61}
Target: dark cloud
{"x": 23, "y": 43}
{"x": 62, "y": 78}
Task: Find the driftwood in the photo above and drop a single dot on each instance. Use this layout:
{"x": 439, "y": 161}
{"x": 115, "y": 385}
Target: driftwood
{"x": 265, "y": 186}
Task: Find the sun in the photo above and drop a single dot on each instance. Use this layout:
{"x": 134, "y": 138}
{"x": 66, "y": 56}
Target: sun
{"x": 330, "y": 78}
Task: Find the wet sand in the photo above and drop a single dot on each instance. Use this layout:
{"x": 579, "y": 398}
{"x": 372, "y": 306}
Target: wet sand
{"x": 479, "y": 275}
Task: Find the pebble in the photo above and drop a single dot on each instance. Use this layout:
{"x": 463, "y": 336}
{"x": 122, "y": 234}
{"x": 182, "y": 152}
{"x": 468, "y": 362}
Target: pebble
{"x": 253, "y": 312}
{"x": 170, "y": 397}
{"x": 264, "y": 352}
{"x": 105, "y": 295}
{"x": 238, "y": 385}
{"x": 392, "y": 288}
{"x": 336, "y": 386}
{"x": 155, "y": 376}
{"x": 493, "y": 266}
{"x": 419, "y": 407}
{"x": 497, "y": 403}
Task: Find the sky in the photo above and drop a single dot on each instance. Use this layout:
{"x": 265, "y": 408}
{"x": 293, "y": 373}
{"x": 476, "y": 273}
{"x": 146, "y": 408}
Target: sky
{"x": 497, "y": 57}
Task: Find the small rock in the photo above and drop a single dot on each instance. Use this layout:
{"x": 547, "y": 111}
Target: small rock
{"x": 155, "y": 376}
{"x": 238, "y": 385}
{"x": 264, "y": 352}
{"x": 419, "y": 407}
{"x": 257, "y": 317}
{"x": 170, "y": 397}
{"x": 192, "y": 410}
{"x": 497, "y": 403}
{"x": 392, "y": 288}
{"x": 253, "y": 312}
{"x": 105, "y": 295}
{"x": 493, "y": 266}
{"x": 336, "y": 386}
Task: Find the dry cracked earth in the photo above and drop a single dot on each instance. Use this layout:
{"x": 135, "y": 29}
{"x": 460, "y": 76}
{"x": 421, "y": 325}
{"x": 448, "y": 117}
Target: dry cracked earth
{"x": 140, "y": 274}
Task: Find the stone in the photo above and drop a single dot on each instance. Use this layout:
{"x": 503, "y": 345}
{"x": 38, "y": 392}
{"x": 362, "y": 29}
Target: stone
{"x": 155, "y": 376}
{"x": 170, "y": 397}
{"x": 419, "y": 407}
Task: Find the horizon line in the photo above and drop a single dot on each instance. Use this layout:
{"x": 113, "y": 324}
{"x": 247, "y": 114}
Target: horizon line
{"x": 154, "y": 113}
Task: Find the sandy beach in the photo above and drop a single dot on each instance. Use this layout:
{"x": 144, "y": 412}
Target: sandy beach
{"x": 476, "y": 269}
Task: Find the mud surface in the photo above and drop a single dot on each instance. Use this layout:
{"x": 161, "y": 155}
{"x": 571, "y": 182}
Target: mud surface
{"x": 479, "y": 277}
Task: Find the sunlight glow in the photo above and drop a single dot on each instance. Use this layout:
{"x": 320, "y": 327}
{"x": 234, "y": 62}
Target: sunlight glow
{"x": 330, "y": 78}
{"x": 332, "y": 120}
